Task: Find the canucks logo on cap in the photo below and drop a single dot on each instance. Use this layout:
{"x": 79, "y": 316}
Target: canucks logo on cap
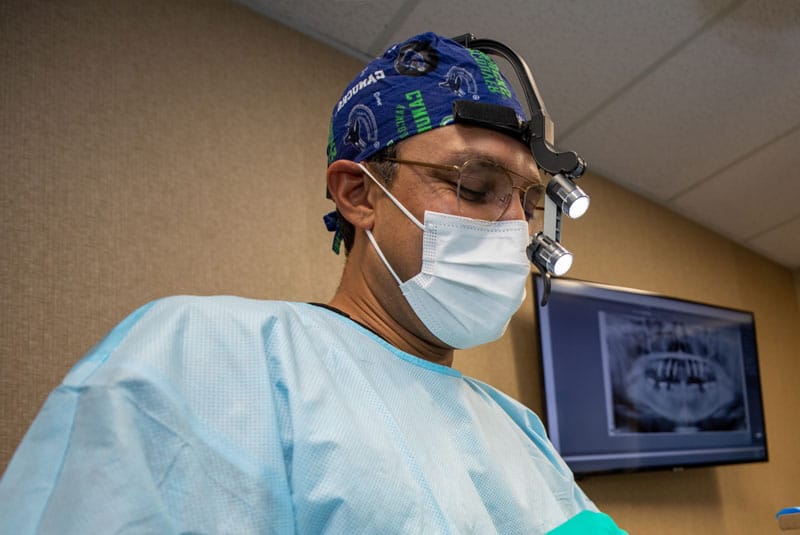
{"x": 460, "y": 82}
{"x": 416, "y": 58}
{"x": 362, "y": 128}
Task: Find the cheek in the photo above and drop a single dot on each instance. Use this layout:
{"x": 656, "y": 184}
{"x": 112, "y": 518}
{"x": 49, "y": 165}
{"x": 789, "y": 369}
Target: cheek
{"x": 406, "y": 257}
{"x": 400, "y": 240}
{"x": 442, "y": 199}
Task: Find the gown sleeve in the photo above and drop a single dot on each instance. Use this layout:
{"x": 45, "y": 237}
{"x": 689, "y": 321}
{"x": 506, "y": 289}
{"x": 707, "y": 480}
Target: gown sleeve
{"x": 127, "y": 454}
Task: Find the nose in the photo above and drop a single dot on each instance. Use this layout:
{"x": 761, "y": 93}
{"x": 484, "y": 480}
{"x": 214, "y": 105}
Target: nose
{"x": 514, "y": 209}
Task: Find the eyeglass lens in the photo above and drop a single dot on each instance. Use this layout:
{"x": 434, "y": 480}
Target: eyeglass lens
{"x": 485, "y": 191}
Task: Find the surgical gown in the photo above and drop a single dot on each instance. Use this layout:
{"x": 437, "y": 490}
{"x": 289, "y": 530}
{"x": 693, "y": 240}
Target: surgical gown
{"x": 229, "y": 415}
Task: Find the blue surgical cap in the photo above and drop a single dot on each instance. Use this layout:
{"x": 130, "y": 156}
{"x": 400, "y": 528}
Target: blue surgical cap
{"x": 411, "y": 89}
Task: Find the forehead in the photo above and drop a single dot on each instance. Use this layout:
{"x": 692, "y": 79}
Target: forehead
{"x": 454, "y": 144}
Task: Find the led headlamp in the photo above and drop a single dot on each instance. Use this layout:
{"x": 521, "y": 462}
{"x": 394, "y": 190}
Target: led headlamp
{"x": 563, "y": 195}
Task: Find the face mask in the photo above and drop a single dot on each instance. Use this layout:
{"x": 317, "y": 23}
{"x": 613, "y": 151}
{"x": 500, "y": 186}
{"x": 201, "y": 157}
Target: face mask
{"x": 473, "y": 275}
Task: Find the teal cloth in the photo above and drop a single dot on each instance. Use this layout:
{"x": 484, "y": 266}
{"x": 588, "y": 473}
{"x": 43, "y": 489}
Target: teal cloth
{"x": 588, "y": 523}
{"x": 228, "y": 415}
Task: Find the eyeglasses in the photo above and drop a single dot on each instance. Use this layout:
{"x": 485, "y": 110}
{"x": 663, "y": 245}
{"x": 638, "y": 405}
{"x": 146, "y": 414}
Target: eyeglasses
{"x": 485, "y": 189}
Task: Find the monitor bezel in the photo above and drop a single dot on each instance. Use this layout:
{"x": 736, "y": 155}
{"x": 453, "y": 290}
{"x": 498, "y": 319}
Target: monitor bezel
{"x": 547, "y": 417}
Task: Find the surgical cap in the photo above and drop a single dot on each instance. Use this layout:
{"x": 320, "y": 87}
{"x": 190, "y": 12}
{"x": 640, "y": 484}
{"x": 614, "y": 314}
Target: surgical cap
{"x": 411, "y": 89}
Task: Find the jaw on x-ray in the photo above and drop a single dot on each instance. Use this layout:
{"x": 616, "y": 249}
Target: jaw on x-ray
{"x": 669, "y": 375}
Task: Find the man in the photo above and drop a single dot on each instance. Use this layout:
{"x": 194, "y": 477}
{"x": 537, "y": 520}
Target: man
{"x": 227, "y": 415}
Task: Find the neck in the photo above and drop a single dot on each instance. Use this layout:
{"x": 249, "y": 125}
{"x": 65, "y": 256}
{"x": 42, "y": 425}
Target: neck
{"x": 379, "y": 305}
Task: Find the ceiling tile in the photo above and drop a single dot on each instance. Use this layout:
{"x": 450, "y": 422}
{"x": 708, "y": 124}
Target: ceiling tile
{"x": 580, "y": 52}
{"x": 781, "y": 244}
{"x": 349, "y": 25}
{"x": 751, "y": 195}
{"x": 729, "y": 90}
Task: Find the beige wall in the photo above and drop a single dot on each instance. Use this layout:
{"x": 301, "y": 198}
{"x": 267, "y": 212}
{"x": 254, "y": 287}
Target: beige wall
{"x": 797, "y": 285}
{"x": 150, "y": 148}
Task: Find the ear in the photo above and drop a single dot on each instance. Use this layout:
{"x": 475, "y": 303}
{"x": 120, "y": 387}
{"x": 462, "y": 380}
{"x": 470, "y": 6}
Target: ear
{"x": 350, "y": 186}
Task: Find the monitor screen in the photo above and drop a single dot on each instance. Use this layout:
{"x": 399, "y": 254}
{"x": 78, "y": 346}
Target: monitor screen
{"x": 634, "y": 380}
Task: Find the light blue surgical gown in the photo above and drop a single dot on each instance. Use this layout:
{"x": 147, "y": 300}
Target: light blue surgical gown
{"x": 228, "y": 415}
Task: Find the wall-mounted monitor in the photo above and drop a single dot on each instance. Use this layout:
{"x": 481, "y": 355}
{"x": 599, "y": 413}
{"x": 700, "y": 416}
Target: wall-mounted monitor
{"x": 633, "y": 380}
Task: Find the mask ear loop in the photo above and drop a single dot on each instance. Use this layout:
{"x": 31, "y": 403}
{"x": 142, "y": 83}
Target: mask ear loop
{"x": 402, "y": 208}
{"x": 392, "y": 197}
{"x": 382, "y": 257}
